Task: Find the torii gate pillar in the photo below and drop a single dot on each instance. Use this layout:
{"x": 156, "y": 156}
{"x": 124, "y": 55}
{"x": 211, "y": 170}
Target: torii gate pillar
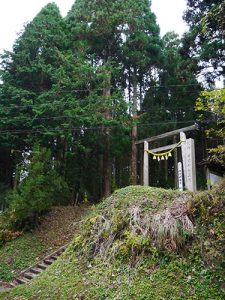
{"x": 146, "y": 165}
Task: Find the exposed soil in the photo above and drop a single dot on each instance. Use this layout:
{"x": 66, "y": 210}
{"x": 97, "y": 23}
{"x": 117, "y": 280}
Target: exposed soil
{"x": 58, "y": 227}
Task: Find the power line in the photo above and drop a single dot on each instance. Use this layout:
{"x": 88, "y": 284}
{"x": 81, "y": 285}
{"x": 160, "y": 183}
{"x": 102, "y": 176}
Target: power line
{"x": 35, "y": 118}
{"x": 87, "y": 128}
{"x": 64, "y": 103}
{"x": 60, "y": 103}
{"x": 8, "y": 109}
{"x": 102, "y": 89}
{"x": 46, "y": 118}
{"x": 53, "y": 93}
{"x": 55, "y": 103}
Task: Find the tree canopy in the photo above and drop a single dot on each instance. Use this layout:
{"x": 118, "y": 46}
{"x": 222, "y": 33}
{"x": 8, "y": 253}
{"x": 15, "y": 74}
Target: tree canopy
{"x": 87, "y": 86}
{"x": 205, "y": 39}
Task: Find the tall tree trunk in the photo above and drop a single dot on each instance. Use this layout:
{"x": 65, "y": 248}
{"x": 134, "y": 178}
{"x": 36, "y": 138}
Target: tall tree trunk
{"x": 133, "y": 168}
{"x": 106, "y": 165}
{"x": 16, "y": 179}
{"x": 6, "y": 168}
{"x": 106, "y": 169}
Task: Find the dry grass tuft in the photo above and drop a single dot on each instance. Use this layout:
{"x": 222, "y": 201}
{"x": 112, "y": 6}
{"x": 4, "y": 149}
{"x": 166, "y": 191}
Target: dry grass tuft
{"x": 131, "y": 229}
{"x": 171, "y": 226}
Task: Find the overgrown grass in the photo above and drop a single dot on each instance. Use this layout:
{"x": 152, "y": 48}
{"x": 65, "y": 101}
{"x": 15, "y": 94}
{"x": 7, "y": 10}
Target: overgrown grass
{"x": 18, "y": 255}
{"x": 56, "y": 229}
{"x": 120, "y": 255}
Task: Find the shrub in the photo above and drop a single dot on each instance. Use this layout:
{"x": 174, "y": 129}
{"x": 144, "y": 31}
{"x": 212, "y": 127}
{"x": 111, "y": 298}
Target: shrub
{"x": 37, "y": 191}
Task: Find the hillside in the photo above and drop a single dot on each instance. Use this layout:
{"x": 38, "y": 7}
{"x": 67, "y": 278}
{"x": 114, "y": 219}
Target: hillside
{"x": 55, "y": 229}
{"x": 142, "y": 243}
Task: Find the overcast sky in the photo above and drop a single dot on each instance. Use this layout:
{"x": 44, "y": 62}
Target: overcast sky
{"x": 15, "y": 13}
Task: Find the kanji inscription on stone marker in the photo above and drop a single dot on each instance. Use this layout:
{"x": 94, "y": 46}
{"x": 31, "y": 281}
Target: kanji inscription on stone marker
{"x": 190, "y": 165}
{"x": 180, "y": 177}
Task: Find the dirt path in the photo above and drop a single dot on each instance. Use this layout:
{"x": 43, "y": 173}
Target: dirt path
{"x": 56, "y": 229}
{"x": 59, "y": 226}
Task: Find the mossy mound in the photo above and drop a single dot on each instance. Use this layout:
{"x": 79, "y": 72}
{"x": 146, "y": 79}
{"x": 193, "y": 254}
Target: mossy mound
{"x": 142, "y": 243}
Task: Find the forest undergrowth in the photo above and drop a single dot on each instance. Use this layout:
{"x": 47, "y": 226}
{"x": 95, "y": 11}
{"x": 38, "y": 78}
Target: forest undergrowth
{"x": 142, "y": 243}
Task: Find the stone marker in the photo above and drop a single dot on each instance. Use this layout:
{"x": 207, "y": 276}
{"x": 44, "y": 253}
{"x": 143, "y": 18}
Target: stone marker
{"x": 190, "y": 166}
{"x": 180, "y": 177}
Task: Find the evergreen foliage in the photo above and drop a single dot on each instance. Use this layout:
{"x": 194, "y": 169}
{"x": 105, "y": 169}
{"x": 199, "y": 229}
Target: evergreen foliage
{"x": 172, "y": 96}
{"x": 211, "y": 106}
{"x": 30, "y": 76}
{"x": 205, "y": 40}
{"x": 87, "y": 86}
{"x": 75, "y": 95}
{"x": 37, "y": 191}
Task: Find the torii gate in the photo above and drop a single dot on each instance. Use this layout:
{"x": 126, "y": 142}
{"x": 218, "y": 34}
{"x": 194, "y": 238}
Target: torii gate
{"x": 188, "y": 157}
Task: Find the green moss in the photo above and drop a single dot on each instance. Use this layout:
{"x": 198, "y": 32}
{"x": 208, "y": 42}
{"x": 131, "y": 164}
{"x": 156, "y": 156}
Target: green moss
{"x": 18, "y": 255}
{"x": 130, "y": 195}
{"x": 177, "y": 279}
{"x": 194, "y": 271}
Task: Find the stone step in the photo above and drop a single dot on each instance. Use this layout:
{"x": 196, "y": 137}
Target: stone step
{"x": 42, "y": 266}
{"x": 22, "y": 280}
{"x": 29, "y": 275}
{"x": 31, "y": 272}
{"x": 48, "y": 261}
{"x": 36, "y": 270}
{"x": 54, "y": 257}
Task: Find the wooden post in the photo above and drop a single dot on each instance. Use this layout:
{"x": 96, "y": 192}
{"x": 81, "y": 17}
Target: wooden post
{"x": 141, "y": 153}
{"x": 166, "y": 170}
{"x": 146, "y": 165}
{"x": 175, "y": 163}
